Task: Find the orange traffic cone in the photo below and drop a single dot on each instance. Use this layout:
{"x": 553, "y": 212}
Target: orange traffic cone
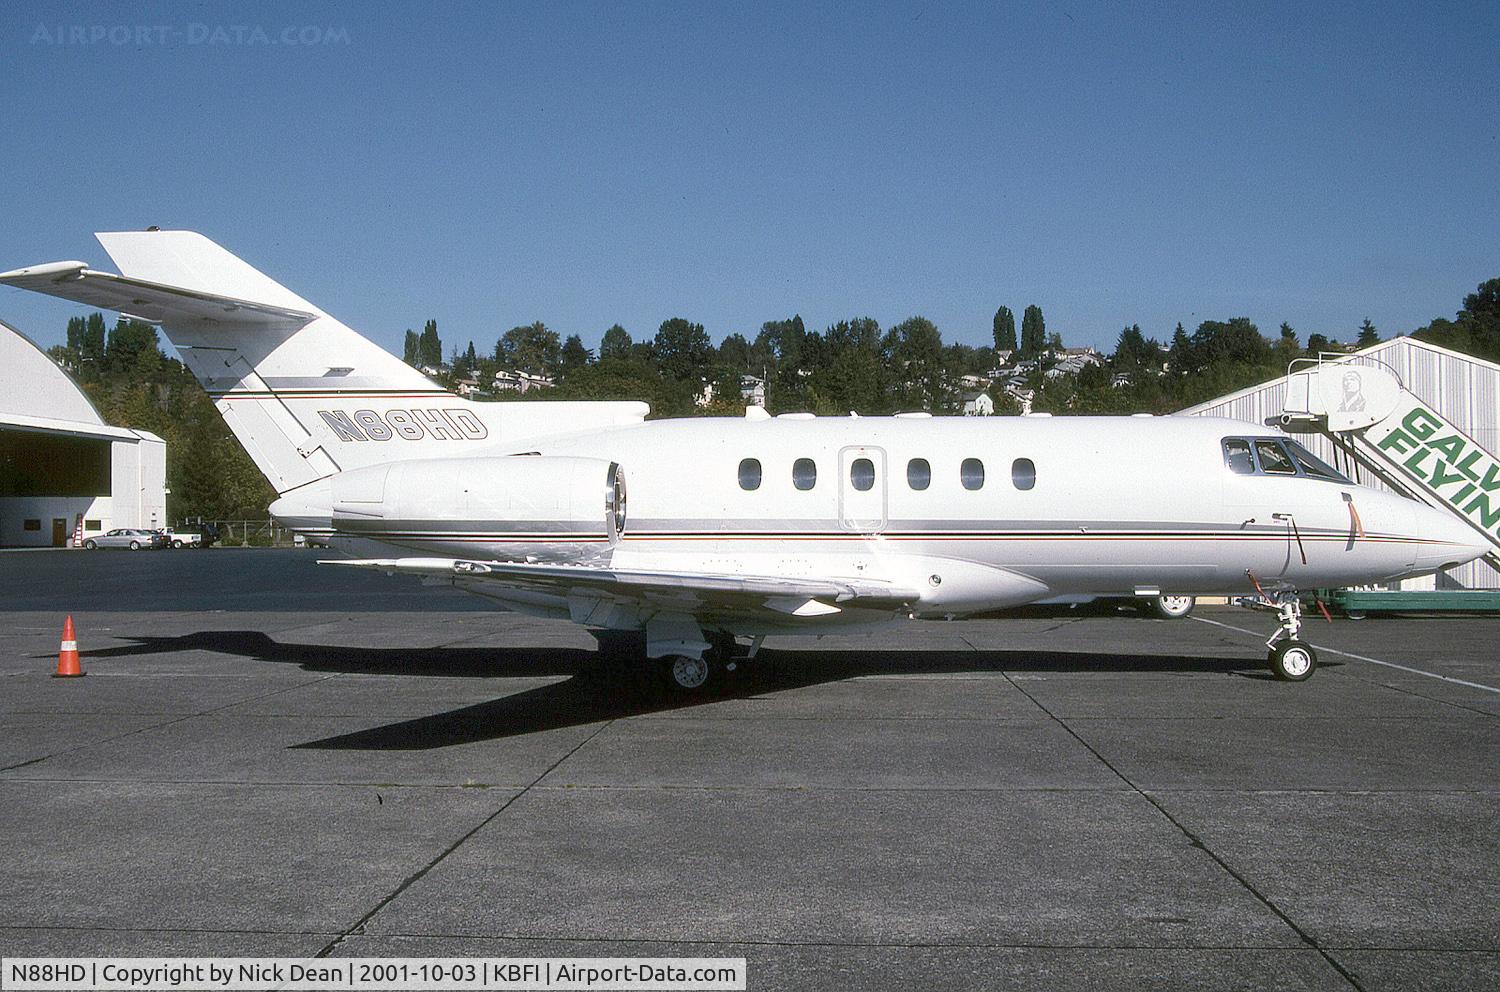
{"x": 67, "y": 655}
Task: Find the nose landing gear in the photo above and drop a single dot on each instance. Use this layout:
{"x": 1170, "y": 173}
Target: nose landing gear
{"x": 1290, "y": 658}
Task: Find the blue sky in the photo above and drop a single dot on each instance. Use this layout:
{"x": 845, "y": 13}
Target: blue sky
{"x": 489, "y": 165}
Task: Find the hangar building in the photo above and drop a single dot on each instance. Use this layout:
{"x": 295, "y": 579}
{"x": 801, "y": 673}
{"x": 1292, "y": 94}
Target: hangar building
{"x": 1463, "y": 389}
{"x": 62, "y": 467}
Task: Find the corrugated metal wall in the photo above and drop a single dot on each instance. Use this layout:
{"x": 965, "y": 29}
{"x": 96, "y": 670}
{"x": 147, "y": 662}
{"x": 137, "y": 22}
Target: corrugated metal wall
{"x": 1464, "y": 390}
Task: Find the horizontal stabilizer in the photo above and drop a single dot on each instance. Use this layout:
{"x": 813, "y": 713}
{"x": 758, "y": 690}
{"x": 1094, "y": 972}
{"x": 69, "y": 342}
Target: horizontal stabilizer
{"x": 150, "y": 301}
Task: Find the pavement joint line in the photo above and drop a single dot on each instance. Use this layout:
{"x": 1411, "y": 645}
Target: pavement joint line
{"x": 751, "y": 942}
{"x": 26, "y": 927}
{"x": 874, "y": 944}
{"x": 422, "y": 872}
{"x": 158, "y": 726}
{"x": 1202, "y": 845}
{"x": 268, "y": 784}
{"x": 681, "y": 787}
{"x": 1408, "y": 691}
{"x": 1360, "y": 657}
{"x": 1017, "y": 721}
{"x": 576, "y": 787}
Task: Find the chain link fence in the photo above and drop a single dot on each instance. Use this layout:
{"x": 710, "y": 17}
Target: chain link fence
{"x": 265, "y": 533}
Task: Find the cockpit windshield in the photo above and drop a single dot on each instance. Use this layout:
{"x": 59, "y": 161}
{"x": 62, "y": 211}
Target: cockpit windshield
{"x": 1313, "y": 465}
{"x": 1277, "y": 456}
{"x": 1273, "y": 457}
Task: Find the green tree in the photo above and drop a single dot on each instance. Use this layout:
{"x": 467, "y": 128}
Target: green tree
{"x": 465, "y": 363}
{"x": 1005, "y": 330}
{"x": 1368, "y": 335}
{"x": 1475, "y": 329}
{"x": 627, "y": 378}
{"x": 683, "y": 349}
{"x": 616, "y": 343}
{"x": 430, "y": 346}
{"x": 91, "y": 351}
{"x": 1288, "y": 347}
{"x": 854, "y": 376}
{"x": 574, "y": 354}
{"x": 1033, "y": 332}
{"x": 734, "y": 353}
{"x": 1234, "y": 341}
{"x": 1317, "y": 344}
{"x": 915, "y": 350}
{"x": 133, "y": 348}
{"x": 727, "y": 401}
{"x": 1135, "y": 352}
{"x": 1180, "y": 355}
{"x": 531, "y": 348}
{"x": 73, "y": 351}
{"x": 411, "y": 353}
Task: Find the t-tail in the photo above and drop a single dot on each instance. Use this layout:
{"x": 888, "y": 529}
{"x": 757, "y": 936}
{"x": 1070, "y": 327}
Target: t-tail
{"x": 306, "y": 395}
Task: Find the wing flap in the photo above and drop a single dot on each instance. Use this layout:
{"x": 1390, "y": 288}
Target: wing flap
{"x": 149, "y": 301}
{"x": 778, "y": 592}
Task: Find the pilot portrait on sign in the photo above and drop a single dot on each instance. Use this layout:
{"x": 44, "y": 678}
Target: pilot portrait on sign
{"x": 1354, "y": 393}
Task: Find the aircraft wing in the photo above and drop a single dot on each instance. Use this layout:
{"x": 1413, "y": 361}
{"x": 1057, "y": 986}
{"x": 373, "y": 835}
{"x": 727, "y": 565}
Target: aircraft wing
{"x": 675, "y": 589}
{"x": 148, "y": 301}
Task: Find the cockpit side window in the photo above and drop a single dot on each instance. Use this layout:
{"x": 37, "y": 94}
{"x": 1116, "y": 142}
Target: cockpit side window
{"x": 1274, "y": 459}
{"x": 1237, "y": 456}
{"x": 1314, "y": 466}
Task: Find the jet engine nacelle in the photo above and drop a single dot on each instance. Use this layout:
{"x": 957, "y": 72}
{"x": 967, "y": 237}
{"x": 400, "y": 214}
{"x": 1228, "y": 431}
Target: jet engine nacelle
{"x": 507, "y": 506}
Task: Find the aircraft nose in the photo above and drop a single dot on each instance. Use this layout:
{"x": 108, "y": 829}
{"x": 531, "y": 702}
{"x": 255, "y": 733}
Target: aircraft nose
{"x": 1451, "y": 541}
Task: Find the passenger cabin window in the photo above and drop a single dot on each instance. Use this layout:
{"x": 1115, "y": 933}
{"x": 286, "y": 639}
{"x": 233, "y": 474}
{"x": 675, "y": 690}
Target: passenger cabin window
{"x": 1237, "y": 456}
{"x": 1273, "y": 458}
{"x": 1023, "y": 473}
{"x": 862, "y": 474}
{"x": 918, "y": 473}
{"x": 750, "y": 474}
{"x": 971, "y": 473}
{"x": 804, "y": 473}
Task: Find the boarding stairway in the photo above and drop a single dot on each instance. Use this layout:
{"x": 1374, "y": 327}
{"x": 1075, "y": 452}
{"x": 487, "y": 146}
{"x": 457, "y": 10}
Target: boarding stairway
{"x": 1375, "y": 423}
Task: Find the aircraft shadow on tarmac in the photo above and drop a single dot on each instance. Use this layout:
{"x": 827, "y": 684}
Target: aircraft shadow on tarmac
{"x": 595, "y": 686}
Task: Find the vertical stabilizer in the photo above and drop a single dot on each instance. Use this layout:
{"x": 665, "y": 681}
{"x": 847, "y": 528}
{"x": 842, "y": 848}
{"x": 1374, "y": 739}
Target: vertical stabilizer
{"x": 306, "y": 395}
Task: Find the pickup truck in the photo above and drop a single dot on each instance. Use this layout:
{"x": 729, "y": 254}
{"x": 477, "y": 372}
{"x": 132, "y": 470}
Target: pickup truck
{"x": 201, "y": 538}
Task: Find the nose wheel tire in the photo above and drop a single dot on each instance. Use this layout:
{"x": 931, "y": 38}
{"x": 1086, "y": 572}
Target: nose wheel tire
{"x": 688, "y": 675}
{"x": 1293, "y": 661}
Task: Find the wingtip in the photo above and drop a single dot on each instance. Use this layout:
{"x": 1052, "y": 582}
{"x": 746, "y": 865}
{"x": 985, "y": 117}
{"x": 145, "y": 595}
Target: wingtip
{"x": 45, "y": 270}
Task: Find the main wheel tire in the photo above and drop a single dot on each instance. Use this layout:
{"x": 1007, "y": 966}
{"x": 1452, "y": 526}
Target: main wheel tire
{"x": 689, "y": 675}
{"x": 177, "y": 544}
{"x": 1173, "y": 607}
{"x": 1293, "y": 661}
{"x": 135, "y": 545}
{"x": 90, "y": 546}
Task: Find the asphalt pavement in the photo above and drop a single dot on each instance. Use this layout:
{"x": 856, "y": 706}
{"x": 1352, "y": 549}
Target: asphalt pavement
{"x": 270, "y": 757}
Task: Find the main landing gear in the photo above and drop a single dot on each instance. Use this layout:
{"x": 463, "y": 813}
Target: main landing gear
{"x": 1290, "y": 658}
{"x": 699, "y": 675}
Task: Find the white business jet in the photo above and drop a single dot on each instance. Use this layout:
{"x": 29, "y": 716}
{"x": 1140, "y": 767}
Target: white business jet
{"x": 739, "y": 528}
